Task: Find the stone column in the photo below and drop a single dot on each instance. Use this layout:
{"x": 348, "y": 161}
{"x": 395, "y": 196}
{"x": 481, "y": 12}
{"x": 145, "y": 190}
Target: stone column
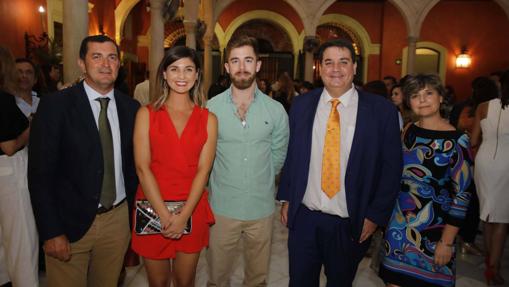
{"x": 412, "y": 45}
{"x": 310, "y": 45}
{"x": 191, "y": 9}
{"x": 75, "y": 30}
{"x": 208, "y": 18}
{"x": 190, "y": 28}
{"x": 156, "y": 50}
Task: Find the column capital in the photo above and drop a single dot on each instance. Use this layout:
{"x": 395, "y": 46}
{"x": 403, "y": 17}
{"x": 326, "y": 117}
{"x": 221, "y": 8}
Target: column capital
{"x": 412, "y": 39}
{"x": 156, "y": 4}
{"x": 190, "y": 25}
{"x": 311, "y": 42}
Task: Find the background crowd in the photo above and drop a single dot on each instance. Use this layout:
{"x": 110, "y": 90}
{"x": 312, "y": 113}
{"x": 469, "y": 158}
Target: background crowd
{"x": 77, "y": 160}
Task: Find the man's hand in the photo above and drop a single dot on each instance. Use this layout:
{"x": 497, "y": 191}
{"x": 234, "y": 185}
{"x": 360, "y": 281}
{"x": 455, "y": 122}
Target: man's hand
{"x": 367, "y": 229}
{"x": 58, "y": 247}
{"x": 284, "y": 213}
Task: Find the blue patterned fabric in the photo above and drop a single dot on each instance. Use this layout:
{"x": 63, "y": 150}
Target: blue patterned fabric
{"x": 436, "y": 174}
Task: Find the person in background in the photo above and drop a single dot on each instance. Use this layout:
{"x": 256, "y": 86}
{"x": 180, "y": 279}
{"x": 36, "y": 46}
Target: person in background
{"x": 434, "y": 196}
{"x": 397, "y": 99}
{"x": 389, "y": 82}
{"x": 305, "y": 87}
{"x": 491, "y": 134}
{"x": 496, "y": 76}
{"x": 376, "y": 87}
{"x": 462, "y": 117}
{"x": 174, "y": 148}
{"x": 81, "y": 172}
{"x": 53, "y": 77}
{"x": 264, "y": 86}
{"x": 285, "y": 92}
{"x": 26, "y": 99}
{"x": 19, "y": 244}
{"x": 219, "y": 86}
{"x": 251, "y": 148}
{"x": 141, "y": 91}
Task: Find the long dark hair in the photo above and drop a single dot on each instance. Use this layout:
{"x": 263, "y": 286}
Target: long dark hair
{"x": 172, "y": 55}
{"x": 504, "y": 82}
{"x": 483, "y": 90}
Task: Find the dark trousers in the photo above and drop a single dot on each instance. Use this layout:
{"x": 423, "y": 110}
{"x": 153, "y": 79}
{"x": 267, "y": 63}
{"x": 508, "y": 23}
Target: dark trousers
{"x": 469, "y": 229}
{"x": 318, "y": 239}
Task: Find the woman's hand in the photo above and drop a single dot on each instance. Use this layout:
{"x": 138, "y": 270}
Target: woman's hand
{"x": 177, "y": 224}
{"x": 166, "y": 220}
{"x": 443, "y": 253}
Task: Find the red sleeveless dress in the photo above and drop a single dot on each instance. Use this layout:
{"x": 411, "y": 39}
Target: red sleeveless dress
{"x": 174, "y": 162}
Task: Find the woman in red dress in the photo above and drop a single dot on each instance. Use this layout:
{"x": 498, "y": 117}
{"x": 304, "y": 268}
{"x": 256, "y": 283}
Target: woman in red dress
{"x": 174, "y": 147}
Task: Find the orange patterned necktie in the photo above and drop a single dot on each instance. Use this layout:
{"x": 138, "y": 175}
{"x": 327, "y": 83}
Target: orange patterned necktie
{"x": 330, "y": 161}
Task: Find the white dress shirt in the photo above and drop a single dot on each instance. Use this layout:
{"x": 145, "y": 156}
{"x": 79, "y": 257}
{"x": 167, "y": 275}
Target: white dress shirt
{"x": 25, "y": 107}
{"x": 314, "y": 197}
{"x": 141, "y": 93}
{"x": 115, "y": 133}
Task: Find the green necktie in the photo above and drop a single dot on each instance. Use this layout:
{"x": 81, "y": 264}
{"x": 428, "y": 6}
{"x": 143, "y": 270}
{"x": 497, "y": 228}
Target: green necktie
{"x": 108, "y": 191}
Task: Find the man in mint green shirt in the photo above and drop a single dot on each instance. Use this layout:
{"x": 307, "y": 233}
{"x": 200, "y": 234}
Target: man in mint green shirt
{"x": 251, "y": 149}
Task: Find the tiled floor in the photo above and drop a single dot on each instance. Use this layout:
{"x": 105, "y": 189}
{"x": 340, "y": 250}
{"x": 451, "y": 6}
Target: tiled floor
{"x": 469, "y": 269}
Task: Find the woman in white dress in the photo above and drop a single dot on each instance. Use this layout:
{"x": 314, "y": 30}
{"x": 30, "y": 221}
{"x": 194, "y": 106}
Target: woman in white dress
{"x": 491, "y": 134}
{"x": 19, "y": 245}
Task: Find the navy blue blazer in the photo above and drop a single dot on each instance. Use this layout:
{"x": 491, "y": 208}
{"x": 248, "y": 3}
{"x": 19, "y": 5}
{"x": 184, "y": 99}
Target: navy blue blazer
{"x": 373, "y": 174}
{"x": 65, "y": 165}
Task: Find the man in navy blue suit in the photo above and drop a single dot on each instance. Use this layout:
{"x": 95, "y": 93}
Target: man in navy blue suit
{"x": 334, "y": 230}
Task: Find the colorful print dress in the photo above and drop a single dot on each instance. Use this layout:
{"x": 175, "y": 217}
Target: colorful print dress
{"x": 436, "y": 174}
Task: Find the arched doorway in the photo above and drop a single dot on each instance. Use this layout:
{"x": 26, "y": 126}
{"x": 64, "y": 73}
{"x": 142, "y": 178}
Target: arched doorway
{"x": 275, "y": 47}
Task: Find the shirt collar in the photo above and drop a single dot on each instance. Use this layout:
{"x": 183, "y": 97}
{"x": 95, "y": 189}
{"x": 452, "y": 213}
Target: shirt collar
{"x": 344, "y": 99}
{"x": 93, "y": 94}
{"x": 257, "y": 92}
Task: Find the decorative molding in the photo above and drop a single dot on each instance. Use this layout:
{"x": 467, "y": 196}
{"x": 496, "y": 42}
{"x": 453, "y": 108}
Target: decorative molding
{"x": 270, "y": 16}
{"x": 442, "y": 65}
{"x": 121, "y": 12}
{"x": 359, "y": 33}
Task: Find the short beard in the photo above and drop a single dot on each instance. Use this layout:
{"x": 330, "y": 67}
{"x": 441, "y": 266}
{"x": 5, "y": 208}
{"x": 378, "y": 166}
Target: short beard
{"x": 244, "y": 83}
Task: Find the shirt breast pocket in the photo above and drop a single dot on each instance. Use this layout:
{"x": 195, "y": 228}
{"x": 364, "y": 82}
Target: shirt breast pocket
{"x": 262, "y": 129}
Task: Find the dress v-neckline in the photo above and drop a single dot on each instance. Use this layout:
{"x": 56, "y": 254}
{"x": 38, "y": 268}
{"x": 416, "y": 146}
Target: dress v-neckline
{"x": 179, "y": 137}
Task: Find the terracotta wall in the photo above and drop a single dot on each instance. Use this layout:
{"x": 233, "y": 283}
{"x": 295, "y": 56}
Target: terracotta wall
{"x": 476, "y": 24}
{"x": 18, "y": 17}
{"x": 394, "y": 39}
{"x": 482, "y": 26}
{"x": 370, "y": 15}
{"x": 240, "y": 7}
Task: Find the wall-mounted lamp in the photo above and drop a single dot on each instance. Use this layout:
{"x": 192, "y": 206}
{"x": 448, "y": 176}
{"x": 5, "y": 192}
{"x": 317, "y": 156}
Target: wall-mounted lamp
{"x": 41, "y": 9}
{"x": 463, "y": 60}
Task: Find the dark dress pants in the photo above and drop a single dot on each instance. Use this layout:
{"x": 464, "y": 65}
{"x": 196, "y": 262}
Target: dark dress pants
{"x": 318, "y": 239}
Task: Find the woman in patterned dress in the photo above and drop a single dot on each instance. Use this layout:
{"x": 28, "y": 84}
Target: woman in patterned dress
{"x": 419, "y": 240}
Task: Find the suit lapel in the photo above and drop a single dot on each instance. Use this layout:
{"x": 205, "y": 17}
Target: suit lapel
{"x": 84, "y": 112}
{"x": 122, "y": 111}
{"x": 308, "y": 119}
{"x": 362, "y": 127}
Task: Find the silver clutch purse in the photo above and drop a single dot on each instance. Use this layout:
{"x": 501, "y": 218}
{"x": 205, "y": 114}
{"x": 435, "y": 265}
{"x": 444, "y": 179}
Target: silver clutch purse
{"x": 147, "y": 221}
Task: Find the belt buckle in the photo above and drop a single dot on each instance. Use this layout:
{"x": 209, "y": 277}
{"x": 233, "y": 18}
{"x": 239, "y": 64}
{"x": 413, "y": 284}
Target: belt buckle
{"x": 103, "y": 209}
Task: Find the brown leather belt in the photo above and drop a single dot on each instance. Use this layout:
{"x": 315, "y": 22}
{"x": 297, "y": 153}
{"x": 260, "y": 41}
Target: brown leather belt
{"x": 103, "y": 209}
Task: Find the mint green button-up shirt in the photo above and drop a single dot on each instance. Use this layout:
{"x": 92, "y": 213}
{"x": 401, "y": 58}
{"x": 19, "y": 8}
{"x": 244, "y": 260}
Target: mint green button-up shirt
{"x": 248, "y": 156}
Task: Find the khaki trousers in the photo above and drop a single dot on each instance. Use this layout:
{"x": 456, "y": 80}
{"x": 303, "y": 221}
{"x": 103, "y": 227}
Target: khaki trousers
{"x": 97, "y": 258}
{"x": 225, "y": 235}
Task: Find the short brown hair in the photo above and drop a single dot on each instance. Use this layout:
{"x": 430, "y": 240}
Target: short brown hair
{"x": 414, "y": 83}
{"x": 240, "y": 42}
